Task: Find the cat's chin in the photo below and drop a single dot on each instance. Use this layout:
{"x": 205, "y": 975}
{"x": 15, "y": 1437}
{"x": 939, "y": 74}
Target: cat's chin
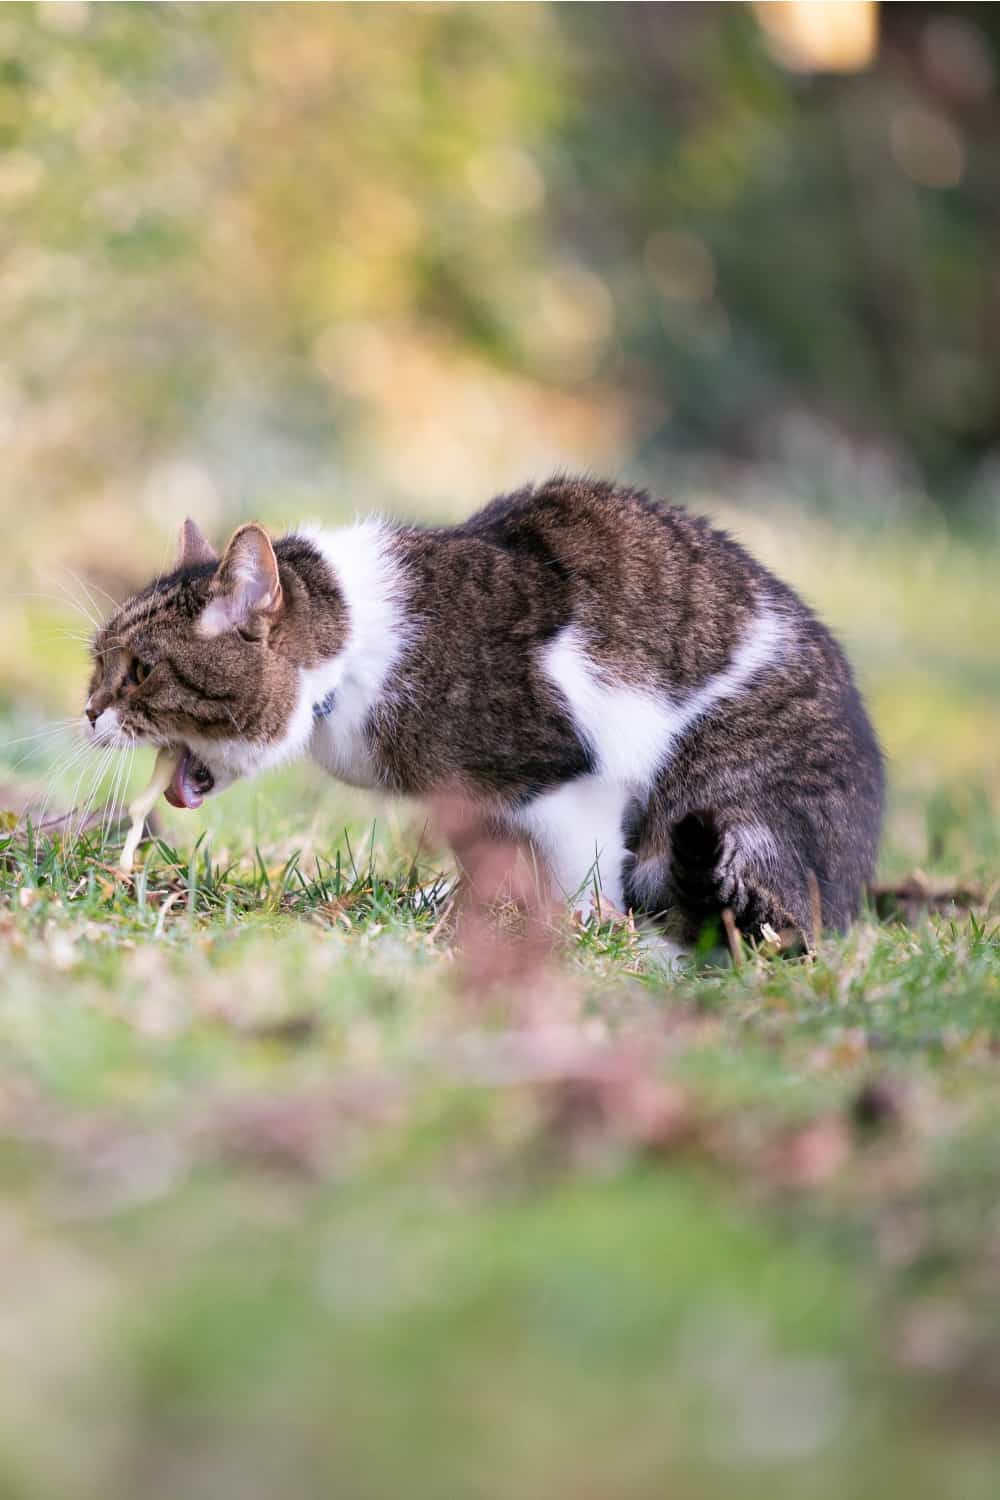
{"x": 191, "y": 782}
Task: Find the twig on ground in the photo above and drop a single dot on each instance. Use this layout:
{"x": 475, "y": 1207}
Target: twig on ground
{"x": 815, "y": 911}
{"x": 733, "y": 937}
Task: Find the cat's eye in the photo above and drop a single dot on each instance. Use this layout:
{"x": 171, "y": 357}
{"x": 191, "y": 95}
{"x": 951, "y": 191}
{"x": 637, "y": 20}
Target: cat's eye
{"x": 138, "y": 671}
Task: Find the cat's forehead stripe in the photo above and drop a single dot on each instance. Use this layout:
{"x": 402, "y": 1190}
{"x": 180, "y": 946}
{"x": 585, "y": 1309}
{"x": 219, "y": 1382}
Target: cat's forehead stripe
{"x": 147, "y": 609}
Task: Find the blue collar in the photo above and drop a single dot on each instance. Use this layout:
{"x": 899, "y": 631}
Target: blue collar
{"x": 324, "y": 708}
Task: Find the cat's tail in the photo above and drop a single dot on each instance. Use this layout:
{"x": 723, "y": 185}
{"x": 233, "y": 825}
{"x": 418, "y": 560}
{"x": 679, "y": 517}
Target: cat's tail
{"x": 713, "y": 869}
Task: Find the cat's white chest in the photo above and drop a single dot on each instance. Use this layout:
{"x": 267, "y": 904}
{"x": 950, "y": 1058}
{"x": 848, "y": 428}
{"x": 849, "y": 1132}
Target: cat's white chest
{"x": 344, "y": 754}
{"x": 346, "y": 690}
{"x": 341, "y": 711}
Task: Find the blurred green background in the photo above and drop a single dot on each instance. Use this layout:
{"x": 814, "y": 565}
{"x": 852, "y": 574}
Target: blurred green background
{"x": 284, "y": 1209}
{"x": 253, "y": 251}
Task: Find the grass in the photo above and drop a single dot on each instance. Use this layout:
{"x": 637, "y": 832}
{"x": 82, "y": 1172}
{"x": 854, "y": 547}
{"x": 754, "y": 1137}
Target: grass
{"x": 291, "y": 1206}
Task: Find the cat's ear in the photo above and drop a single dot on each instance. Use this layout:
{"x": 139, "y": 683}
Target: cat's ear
{"x": 193, "y": 547}
{"x": 246, "y": 588}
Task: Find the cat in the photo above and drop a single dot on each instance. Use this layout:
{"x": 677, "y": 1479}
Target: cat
{"x": 613, "y": 680}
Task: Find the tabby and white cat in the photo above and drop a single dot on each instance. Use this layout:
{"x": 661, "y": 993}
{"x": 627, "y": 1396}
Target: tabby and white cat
{"x": 610, "y": 678}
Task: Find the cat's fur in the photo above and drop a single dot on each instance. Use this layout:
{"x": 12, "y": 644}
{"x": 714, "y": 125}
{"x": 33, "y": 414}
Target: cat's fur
{"x": 612, "y": 678}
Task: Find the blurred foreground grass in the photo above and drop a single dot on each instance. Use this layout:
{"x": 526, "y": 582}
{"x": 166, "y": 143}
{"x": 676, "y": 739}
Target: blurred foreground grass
{"x": 286, "y": 1208}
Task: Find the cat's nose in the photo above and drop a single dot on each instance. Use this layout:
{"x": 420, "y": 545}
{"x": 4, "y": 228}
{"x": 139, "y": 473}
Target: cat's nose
{"x": 93, "y": 714}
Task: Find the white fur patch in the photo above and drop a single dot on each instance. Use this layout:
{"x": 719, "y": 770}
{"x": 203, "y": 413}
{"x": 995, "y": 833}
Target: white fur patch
{"x": 107, "y": 729}
{"x": 627, "y": 728}
{"x": 632, "y": 733}
{"x": 578, "y": 828}
{"x": 370, "y": 579}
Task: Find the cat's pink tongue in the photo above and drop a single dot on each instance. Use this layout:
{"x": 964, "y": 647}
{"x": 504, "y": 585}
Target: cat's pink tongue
{"x": 182, "y": 791}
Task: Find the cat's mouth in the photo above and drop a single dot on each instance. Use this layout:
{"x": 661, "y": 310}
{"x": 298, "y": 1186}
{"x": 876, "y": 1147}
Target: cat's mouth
{"x": 191, "y": 782}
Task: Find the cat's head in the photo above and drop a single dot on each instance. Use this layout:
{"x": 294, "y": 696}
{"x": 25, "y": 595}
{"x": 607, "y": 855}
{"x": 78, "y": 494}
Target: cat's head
{"x": 207, "y": 659}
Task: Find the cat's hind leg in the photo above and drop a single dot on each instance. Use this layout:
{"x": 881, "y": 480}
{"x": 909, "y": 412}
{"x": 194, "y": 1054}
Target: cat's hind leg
{"x": 715, "y": 864}
{"x": 741, "y": 867}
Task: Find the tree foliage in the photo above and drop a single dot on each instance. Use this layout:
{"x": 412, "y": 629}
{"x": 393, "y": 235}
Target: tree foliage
{"x": 285, "y": 240}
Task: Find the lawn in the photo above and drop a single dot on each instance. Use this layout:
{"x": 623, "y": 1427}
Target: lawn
{"x": 292, "y": 1205}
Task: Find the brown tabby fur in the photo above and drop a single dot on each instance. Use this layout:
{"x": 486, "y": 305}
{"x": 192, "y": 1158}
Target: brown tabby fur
{"x": 662, "y": 599}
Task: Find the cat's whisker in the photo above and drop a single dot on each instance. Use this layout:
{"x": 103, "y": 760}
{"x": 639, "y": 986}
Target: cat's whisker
{"x": 58, "y": 723}
{"x": 88, "y": 587}
{"x": 80, "y": 813}
{"x": 33, "y": 750}
{"x": 98, "y": 774}
{"x": 65, "y": 631}
{"x": 109, "y": 802}
{"x": 87, "y": 606}
{"x": 57, "y": 634}
{"x": 117, "y": 788}
{"x": 59, "y": 727}
{"x": 76, "y": 750}
{"x": 65, "y": 763}
{"x": 108, "y": 650}
{"x": 64, "y": 768}
{"x": 62, "y": 600}
{"x": 125, "y": 781}
{"x": 75, "y": 603}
